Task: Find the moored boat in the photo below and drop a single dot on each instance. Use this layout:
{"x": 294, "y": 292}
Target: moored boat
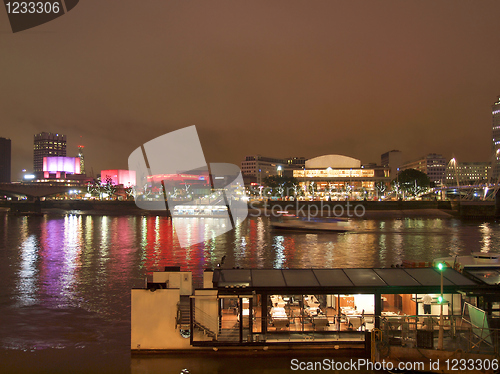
{"x": 474, "y": 260}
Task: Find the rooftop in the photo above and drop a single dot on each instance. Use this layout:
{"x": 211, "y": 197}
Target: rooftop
{"x": 383, "y": 280}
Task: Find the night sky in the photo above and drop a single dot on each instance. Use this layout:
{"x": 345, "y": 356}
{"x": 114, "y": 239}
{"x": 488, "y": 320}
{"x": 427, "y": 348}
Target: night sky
{"x": 279, "y": 78}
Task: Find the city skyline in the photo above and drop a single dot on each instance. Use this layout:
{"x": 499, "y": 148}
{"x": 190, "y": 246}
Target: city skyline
{"x": 287, "y": 78}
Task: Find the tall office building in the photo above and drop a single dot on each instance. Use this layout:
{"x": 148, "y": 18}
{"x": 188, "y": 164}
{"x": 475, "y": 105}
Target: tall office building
{"x": 5, "y": 160}
{"x": 47, "y": 144}
{"x": 495, "y": 112}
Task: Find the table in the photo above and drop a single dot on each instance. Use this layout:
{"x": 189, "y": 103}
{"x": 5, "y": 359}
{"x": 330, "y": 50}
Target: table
{"x": 320, "y": 321}
{"x": 279, "y": 318}
{"x": 311, "y": 301}
{"x": 277, "y": 301}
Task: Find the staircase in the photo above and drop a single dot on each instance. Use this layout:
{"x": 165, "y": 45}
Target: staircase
{"x": 183, "y": 312}
{"x": 230, "y": 335}
{"x": 205, "y": 323}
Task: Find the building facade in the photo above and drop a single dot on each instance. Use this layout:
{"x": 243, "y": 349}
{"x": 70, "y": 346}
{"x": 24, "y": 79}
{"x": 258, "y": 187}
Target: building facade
{"x": 47, "y": 144}
{"x": 5, "y": 160}
{"x": 392, "y": 160}
{"x": 433, "y": 164}
{"x": 337, "y": 177}
{"x": 82, "y": 159}
{"x": 495, "y": 113}
{"x": 467, "y": 173}
{"x": 256, "y": 168}
{"x": 117, "y": 177}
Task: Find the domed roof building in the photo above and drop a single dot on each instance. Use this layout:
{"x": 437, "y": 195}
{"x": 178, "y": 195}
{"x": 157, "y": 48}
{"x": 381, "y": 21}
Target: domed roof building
{"x": 334, "y": 162}
{"x": 338, "y": 177}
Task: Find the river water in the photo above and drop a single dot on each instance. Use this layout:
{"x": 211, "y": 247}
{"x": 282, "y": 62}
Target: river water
{"x": 66, "y": 279}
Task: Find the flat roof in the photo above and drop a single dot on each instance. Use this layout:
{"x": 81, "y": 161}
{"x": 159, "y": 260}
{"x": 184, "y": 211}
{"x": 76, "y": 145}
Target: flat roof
{"x": 487, "y": 275}
{"x": 381, "y": 280}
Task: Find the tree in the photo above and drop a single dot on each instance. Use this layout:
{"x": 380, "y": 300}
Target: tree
{"x": 109, "y": 187}
{"x": 381, "y": 187}
{"x": 412, "y": 181}
{"x": 130, "y": 192}
{"x": 281, "y": 186}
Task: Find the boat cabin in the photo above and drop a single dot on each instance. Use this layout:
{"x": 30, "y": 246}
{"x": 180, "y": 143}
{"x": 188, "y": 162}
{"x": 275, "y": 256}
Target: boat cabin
{"x": 252, "y": 307}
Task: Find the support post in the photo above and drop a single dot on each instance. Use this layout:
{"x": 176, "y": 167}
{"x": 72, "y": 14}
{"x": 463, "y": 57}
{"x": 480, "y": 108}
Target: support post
{"x": 441, "y": 326}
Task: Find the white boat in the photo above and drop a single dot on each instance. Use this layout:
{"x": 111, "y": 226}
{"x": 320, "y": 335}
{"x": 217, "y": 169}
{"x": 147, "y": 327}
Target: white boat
{"x": 215, "y": 211}
{"x": 474, "y": 260}
{"x": 292, "y": 222}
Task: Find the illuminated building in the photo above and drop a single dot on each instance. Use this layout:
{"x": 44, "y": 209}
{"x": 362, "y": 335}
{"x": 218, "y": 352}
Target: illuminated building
{"x": 60, "y": 167}
{"x": 82, "y": 159}
{"x": 47, "y": 144}
{"x": 433, "y": 164}
{"x": 117, "y": 177}
{"x": 468, "y": 173}
{"x": 339, "y": 177}
{"x": 495, "y": 113}
{"x": 5, "y": 160}
{"x": 256, "y": 168}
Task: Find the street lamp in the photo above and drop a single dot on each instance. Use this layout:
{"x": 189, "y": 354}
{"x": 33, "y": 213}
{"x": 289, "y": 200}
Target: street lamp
{"x": 397, "y": 184}
{"x": 441, "y": 267}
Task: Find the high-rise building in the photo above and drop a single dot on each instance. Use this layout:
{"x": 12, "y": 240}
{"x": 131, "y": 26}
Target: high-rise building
{"x": 433, "y": 164}
{"x": 495, "y": 112}
{"x": 47, "y": 144}
{"x": 82, "y": 159}
{"x": 5, "y": 160}
{"x": 392, "y": 160}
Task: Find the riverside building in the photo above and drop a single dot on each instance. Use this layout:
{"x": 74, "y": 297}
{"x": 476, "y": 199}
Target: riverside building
{"x": 47, "y": 144}
{"x": 5, "y": 160}
{"x": 467, "y": 173}
{"x": 393, "y": 160}
{"x": 256, "y": 168}
{"x": 337, "y": 177}
{"x": 495, "y": 113}
{"x": 432, "y": 164}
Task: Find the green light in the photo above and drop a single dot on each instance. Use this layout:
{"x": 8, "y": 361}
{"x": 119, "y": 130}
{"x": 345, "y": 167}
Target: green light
{"x": 440, "y": 266}
{"x": 440, "y": 299}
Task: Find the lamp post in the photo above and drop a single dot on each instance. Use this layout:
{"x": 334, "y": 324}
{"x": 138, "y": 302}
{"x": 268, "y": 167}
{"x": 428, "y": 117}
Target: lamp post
{"x": 441, "y": 299}
{"x": 397, "y": 185}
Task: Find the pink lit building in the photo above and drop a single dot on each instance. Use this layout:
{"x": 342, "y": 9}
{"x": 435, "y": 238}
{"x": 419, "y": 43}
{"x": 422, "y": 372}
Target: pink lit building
{"x": 123, "y": 177}
{"x": 59, "y": 167}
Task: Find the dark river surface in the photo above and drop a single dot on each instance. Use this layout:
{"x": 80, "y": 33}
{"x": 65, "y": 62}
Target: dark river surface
{"x": 66, "y": 279}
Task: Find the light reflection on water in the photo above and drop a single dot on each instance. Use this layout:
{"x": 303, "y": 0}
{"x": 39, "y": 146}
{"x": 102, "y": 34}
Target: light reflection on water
{"x": 66, "y": 280}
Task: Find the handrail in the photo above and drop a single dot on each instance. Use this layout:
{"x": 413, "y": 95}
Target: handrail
{"x": 206, "y": 321}
{"x": 473, "y": 338}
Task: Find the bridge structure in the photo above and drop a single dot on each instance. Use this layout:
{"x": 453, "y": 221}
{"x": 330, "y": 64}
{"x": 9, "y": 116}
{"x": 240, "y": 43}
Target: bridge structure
{"x": 38, "y": 189}
{"x": 484, "y": 191}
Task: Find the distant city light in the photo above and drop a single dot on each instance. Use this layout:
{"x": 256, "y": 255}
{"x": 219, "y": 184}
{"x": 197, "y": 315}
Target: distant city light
{"x": 29, "y": 176}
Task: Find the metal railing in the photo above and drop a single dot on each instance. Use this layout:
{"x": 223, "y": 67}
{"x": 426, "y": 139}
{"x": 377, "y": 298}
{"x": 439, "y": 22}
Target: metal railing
{"x": 210, "y": 325}
{"x": 458, "y": 333}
